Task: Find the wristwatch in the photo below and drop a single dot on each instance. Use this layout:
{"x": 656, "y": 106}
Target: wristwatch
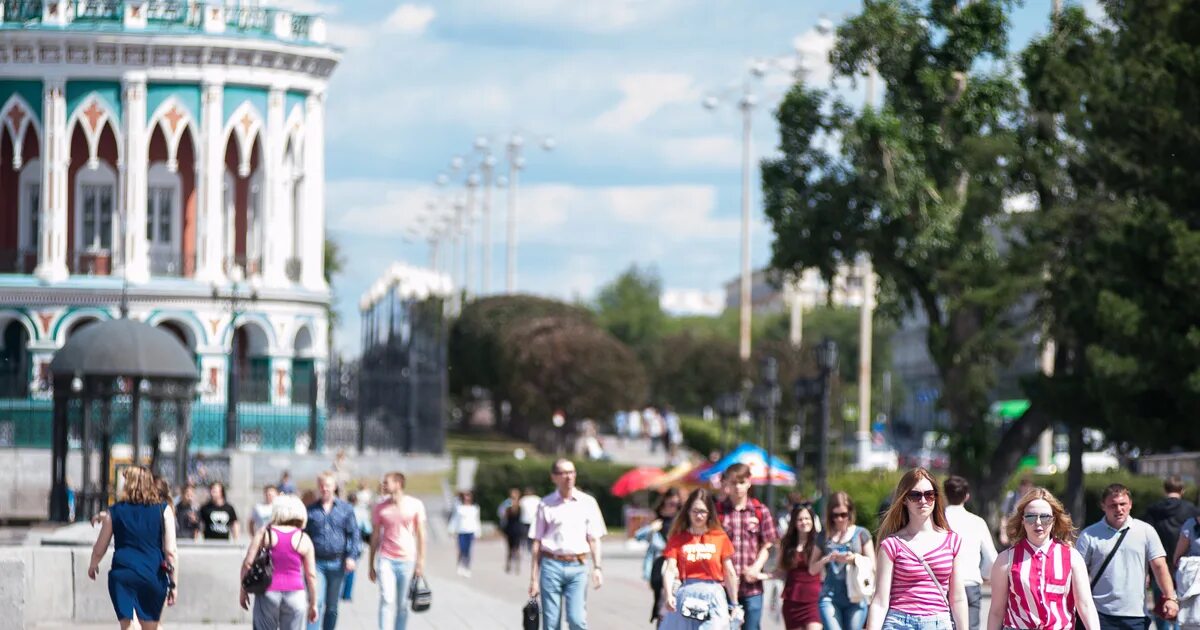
{"x": 597, "y": 568}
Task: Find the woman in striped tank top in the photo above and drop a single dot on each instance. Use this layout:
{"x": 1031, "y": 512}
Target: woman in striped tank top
{"x": 917, "y": 584}
{"x": 1042, "y": 578}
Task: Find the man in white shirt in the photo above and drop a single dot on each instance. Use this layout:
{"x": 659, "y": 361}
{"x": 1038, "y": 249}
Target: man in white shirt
{"x": 528, "y": 503}
{"x": 568, "y": 529}
{"x": 978, "y": 551}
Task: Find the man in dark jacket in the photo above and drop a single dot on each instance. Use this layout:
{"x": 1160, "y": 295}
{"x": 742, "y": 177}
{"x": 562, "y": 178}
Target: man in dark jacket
{"x": 1167, "y": 516}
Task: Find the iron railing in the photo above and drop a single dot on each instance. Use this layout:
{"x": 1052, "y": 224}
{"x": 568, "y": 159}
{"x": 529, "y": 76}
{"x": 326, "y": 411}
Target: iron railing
{"x": 107, "y": 10}
{"x": 169, "y": 264}
{"x": 93, "y": 263}
{"x": 22, "y": 10}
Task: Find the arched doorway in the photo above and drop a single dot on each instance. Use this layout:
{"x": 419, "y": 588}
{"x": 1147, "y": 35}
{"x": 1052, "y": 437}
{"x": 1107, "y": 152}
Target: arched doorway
{"x": 304, "y": 373}
{"x": 15, "y": 361}
{"x": 251, "y": 363}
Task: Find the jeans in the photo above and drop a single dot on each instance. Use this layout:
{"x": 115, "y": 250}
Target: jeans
{"x": 752, "y": 607}
{"x": 974, "y": 598}
{"x": 330, "y": 574}
{"x": 464, "y": 550}
{"x": 837, "y": 611}
{"x": 1112, "y": 622}
{"x": 896, "y": 620}
{"x": 560, "y": 580}
{"x": 394, "y": 577}
{"x": 280, "y": 610}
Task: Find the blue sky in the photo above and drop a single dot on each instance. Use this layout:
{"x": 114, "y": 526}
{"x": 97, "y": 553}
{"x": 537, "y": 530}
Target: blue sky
{"x": 641, "y": 172}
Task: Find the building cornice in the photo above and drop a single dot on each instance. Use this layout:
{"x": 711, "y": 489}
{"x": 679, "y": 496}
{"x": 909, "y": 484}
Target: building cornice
{"x": 50, "y": 295}
{"x": 38, "y": 54}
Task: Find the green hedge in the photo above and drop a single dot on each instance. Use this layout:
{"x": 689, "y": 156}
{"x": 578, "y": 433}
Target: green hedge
{"x": 496, "y": 475}
{"x": 704, "y": 437}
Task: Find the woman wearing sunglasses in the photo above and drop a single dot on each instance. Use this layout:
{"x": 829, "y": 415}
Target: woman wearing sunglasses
{"x": 700, "y": 554}
{"x": 1042, "y": 580}
{"x": 838, "y": 545}
{"x": 918, "y": 584}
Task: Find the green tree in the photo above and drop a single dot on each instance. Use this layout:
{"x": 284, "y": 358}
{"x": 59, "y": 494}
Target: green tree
{"x": 695, "y": 369}
{"x": 569, "y": 364}
{"x": 335, "y": 263}
{"x": 629, "y": 308}
{"x": 1112, "y": 149}
{"x": 919, "y": 186}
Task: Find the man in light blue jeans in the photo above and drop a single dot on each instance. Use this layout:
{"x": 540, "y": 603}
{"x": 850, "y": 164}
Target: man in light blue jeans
{"x": 394, "y": 578}
{"x": 567, "y": 529}
{"x": 397, "y": 549}
{"x": 336, "y": 545}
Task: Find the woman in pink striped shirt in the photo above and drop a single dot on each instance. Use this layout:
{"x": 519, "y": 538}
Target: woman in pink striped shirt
{"x": 1042, "y": 578}
{"x": 917, "y": 584}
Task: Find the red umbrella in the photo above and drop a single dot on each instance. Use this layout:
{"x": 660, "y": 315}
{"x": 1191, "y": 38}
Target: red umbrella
{"x": 636, "y": 479}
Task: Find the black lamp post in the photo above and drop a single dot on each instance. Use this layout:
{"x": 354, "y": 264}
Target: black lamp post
{"x": 827, "y": 361}
{"x": 235, "y": 300}
{"x": 772, "y": 396}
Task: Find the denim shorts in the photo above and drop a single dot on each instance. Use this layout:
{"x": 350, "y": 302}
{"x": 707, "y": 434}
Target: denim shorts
{"x": 897, "y": 620}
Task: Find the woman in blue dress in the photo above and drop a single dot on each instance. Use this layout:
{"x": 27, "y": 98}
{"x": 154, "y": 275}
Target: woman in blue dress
{"x": 143, "y": 573}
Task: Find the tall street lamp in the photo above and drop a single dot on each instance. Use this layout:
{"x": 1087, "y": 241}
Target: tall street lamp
{"x": 236, "y": 300}
{"x": 827, "y": 361}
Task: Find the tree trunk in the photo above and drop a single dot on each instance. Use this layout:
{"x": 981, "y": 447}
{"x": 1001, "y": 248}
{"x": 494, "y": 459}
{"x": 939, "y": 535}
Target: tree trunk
{"x": 1073, "y": 500}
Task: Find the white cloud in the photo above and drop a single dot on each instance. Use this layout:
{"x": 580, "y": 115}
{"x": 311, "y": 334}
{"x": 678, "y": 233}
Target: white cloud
{"x": 411, "y": 19}
{"x": 812, "y": 47}
{"x": 644, "y": 95}
{"x": 692, "y": 301}
{"x": 590, "y": 16}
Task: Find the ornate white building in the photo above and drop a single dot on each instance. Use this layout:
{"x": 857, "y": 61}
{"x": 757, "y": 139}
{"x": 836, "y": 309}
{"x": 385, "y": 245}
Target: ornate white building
{"x": 176, "y": 146}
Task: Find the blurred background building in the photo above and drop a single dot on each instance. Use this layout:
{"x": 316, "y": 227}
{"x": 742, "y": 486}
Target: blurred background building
{"x": 173, "y": 151}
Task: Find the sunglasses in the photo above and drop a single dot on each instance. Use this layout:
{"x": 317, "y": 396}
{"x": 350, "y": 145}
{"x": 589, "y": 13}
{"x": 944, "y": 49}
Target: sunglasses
{"x": 1034, "y": 519}
{"x": 916, "y": 495}
{"x": 840, "y": 515}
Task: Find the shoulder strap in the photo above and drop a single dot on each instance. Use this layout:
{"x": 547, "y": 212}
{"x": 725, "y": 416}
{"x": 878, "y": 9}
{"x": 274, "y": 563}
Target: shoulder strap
{"x": 928, "y": 569}
{"x": 1109, "y": 557}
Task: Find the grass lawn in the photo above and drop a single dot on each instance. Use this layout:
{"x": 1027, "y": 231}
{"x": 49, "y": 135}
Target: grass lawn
{"x": 484, "y": 444}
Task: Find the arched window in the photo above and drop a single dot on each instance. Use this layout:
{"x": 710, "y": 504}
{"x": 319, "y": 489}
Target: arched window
{"x": 96, "y": 227}
{"x": 29, "y": 207}
{"x": 14, "y": 360}
{"x": 163, "y": 222}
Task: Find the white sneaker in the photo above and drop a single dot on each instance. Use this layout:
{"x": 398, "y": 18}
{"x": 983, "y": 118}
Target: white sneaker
{"x": 466, "y": 573}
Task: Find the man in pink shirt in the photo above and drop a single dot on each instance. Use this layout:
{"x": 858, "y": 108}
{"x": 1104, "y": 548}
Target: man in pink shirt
{"x": 398, "y": 539}
{"x": 567, "y": 529}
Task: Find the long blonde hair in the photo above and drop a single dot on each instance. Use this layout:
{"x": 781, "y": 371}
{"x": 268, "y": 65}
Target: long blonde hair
{"x": 140, "y": 487}
{"x": 896, "y": 517}
{"x": 1063, "y": 529}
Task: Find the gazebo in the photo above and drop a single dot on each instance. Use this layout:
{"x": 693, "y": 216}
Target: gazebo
{"x": 102, "y": 378}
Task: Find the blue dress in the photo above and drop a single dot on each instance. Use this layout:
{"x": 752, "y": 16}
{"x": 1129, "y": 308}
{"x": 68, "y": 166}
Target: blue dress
{"x": 136, "y": 582}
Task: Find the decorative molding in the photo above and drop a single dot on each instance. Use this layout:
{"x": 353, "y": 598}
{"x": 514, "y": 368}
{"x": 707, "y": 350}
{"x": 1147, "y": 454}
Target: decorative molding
{"x": 17, "y": 115}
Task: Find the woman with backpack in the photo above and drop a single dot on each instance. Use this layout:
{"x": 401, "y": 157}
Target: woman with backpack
{"x": 293, "y": 569}
{"x": 838, "y": 547}
{"x": 1041, "y": 581}
{"x": 917, "y": 585}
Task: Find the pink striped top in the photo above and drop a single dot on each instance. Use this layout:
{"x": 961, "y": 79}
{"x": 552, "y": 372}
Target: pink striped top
{"x": 912, "y": 590}
{"x": 1039, "y": 588}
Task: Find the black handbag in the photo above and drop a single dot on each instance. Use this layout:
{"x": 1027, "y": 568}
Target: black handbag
{"x": 258, "y": 577}
{"x": 419, "y": 593}
{"x": 531, "y": 615}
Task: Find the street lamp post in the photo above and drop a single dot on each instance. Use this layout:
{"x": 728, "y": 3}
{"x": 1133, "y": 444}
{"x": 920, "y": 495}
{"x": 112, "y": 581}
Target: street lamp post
{"x": 770, "y": 377}
{"x": 235, "y": 301}
{"x": 516, "y": 162}
{"x": 827, "y": 360}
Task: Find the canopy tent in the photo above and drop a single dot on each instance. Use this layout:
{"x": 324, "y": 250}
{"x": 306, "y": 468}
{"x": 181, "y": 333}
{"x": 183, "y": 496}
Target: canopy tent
{"x": 756, "y": 458}
{"x": 677, "y": 476}
{"x": 637, "y": 479}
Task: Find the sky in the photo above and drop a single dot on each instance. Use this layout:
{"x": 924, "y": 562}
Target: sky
{"x": 641, "y": 173}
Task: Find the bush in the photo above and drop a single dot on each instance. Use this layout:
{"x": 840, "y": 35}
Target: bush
{"x": 704, "y": 437}
{"x": 496, "y": 476}
{"x": 693, "y": 370}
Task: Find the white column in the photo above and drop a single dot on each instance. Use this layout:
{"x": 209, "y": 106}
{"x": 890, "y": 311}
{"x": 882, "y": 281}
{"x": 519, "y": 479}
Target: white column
{"x": 313, "y": 254}
{"x": 865, "y": 329}
{"x": 137, "y": 248}
{"x": 274, "y": 249}
{"x": 210, "y": 233}
{"x": 56, "y": 159}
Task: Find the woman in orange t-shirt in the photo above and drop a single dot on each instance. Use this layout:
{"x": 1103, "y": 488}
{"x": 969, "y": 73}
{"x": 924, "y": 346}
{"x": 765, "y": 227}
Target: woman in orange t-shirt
{"x": 700, "y": 554}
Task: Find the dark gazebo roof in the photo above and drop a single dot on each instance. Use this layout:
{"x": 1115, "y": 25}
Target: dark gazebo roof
{"x": 124, "y": 347}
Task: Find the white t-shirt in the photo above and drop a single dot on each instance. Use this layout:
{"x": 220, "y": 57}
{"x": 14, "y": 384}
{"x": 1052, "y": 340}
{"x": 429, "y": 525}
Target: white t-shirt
{"x": 260, "y": 515}
{"x": 978, "y": 551}
{"x": 465, "y": 520}
{"x": 529, "y": 505}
